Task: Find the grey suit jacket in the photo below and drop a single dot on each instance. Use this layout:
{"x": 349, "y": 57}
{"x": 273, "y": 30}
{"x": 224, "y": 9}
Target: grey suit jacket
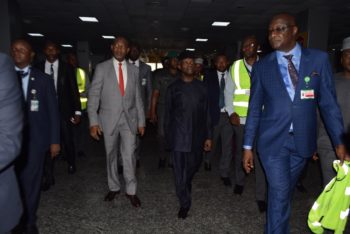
{"x": 11, "y": 121}
{"x": 145, "y": 79}
{"x": 106, "y": 104}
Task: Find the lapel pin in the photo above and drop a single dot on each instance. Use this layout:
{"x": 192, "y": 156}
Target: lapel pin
{"x": 32, "y": 78}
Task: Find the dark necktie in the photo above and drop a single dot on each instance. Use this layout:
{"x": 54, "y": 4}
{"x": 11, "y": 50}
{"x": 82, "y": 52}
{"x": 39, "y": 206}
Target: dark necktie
{"x": 52, "y": 74}
{"x": 21, "y": 74}
{"x": 222, "y": 88}
{"x": 121, "y": 79}
{"x": 291, "y": 69}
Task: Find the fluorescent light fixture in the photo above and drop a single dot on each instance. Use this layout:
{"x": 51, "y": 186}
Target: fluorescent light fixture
{"x": 202, "y": 39}
{"x": 67, "y": 45}
{"x": 35, "y": 34}
{"x": 190, "y": 49}
{"x": 259, "y": 51}
{"x": 88, "y": 19}
{"x": 220, "y": 23}
{"x": 108, "y": 37}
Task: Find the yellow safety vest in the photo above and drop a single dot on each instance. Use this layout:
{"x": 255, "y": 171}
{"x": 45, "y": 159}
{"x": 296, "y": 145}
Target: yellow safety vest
{"x": 81, "y": 82}
{"x": 241, "y": 79}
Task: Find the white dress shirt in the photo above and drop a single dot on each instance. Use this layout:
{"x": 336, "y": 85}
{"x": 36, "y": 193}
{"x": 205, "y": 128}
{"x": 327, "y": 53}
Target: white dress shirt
{"x": 55, "y": 71}
{"x": 25, "y": 80}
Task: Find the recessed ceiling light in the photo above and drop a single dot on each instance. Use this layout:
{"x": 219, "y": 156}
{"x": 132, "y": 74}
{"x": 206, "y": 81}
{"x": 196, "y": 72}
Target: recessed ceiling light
{"x": 67, "y": 45}
{"x": 108, "y": 37}
{"x": 190, "y": 49}
{"x": 35, "y": 34}
{"x": 259, "y": 51}
{"x": 88, "y": 19}
{"x": 220, "y": 23}
{"x": 333, "y": 49}
{"x": 156, "y": 38}
{"x": 202, "y": 39}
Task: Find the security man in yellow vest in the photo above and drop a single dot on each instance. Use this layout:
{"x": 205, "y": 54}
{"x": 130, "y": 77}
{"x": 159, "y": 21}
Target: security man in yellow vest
{"x": 83, "y": 83}
{"x": 237, "y": 92}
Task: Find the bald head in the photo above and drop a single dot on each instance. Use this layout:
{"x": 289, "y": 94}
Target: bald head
{"x": 283, "y": 32}
{"x": 22, "y": 53}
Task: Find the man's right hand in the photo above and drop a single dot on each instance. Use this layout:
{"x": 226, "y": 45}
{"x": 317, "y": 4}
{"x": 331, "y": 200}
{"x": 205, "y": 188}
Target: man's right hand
{"x": 153, "y": 117}
{"x": 234, "y": 119}
{"x": 248, "y": 160}
{"x": 95, "y": 132}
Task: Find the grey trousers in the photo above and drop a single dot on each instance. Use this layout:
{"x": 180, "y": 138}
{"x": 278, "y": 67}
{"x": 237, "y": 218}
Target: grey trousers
{"x": 127, "y": 148}
{"x": 260, "y": 178}
{"x": 327, "y": 156}
{"x": 222, "y": 131}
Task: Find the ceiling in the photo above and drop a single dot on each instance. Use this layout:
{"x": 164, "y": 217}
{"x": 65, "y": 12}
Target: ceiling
{"x": 174, "y": 23}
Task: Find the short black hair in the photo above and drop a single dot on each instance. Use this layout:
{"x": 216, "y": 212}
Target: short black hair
{"x": 186, "y": 54}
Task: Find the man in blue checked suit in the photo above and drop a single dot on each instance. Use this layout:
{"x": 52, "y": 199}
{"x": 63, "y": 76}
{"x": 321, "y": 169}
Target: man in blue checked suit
{"x": 287, "y": 87}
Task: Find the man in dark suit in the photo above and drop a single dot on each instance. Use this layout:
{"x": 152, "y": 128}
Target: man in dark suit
{"x": 145, "y": 80}
{"x": 187, "y": 128}
{"x": 215, "y": 81}
{"x": 41, "y": 128}
{"x": 116, "y": 109}
{"x": 11, "y": 122}
{"x": 287, "y": 87}
{"x": 68, "y": 105}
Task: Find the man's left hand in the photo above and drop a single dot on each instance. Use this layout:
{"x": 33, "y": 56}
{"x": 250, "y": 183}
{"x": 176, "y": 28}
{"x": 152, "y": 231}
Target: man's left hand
{"x": 75, "y": 120}
{"x": 54, "y": 150}
{"x": 207, "y": 145}
{"x": 141, "y": 130}
{"x": 341, "y": 153}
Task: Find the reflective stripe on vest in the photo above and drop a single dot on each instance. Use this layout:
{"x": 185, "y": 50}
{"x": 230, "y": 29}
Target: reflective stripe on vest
{"x": 81, "y": 82}
{"x": 241, "y": 79}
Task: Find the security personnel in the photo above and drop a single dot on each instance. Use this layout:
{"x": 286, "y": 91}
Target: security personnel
{"x": 239, "y": 89}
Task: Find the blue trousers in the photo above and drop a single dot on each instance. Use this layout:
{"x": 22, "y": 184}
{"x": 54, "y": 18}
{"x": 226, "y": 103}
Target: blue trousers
{"x": 282, "y": 172}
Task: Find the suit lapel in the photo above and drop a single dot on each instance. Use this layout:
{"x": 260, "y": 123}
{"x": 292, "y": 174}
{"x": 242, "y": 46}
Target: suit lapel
{"x": 112, "y": 74}
{"x": 129, "y": 77}
{"x": 275, "y": 72}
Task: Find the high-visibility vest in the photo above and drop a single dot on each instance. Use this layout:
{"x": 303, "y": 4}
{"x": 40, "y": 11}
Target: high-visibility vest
{"x": 241, "y": 79}
{"x": 81, "y": 82}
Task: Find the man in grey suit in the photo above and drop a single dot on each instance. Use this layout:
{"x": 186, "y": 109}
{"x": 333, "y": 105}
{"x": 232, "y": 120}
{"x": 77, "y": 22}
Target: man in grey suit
{"x": 145, "y": 80}
{"x": 11, "y": 122}
{"x": 115, "y": 108}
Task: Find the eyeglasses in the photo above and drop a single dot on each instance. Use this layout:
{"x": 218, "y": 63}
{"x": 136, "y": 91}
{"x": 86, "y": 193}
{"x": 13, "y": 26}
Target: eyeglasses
{"x": 280, "y": 29}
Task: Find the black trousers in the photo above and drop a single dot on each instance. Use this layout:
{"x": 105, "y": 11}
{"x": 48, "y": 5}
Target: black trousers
{"x": 186, "y": 164}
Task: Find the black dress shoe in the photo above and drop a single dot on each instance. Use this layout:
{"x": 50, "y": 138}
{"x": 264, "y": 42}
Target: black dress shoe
{"x": 161, "y": 163}
{"x": 71, "y": 169}
{"x": 238, "y": 189}
{"x": 111, "y": 195}
{"x": 207, "y": 166}
{"x": 135, "y": 201}
{"x": 32, "y": 229}
{"x": 182, "y": 214}
{"x": 262, "y": 206}
{"x": 226, "y": 181}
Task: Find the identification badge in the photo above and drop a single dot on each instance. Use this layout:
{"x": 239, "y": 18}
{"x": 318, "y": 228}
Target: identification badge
{"x": 34, "y": 105}
{"x": 144, "y": 81}
{"x": 307, "y": 94}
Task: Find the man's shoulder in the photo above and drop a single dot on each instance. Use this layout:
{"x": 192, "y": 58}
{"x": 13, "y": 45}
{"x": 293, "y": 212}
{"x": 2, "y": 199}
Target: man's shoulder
{"x": 104, "y": 64}
{"x": 5, "y": 62}
{"x": 145, "y": 66}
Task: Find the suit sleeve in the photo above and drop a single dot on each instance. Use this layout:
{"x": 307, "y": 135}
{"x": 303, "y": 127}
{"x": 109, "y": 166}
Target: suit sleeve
{"x": 141, "y": 122}
{"x": 254, "y": 109}
{"x": 53, "y": 111}
{"x": 228, "y": 93}
{"x": 329, "y": 107}
{"x": 149, "y": 87}
{"x": 74, "y": 88}
{"x": 11, "y": 116}
{"x": 94, "y": 95}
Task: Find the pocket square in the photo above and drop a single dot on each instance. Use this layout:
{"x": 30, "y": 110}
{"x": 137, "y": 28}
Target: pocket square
{"x": 314, "y": 74}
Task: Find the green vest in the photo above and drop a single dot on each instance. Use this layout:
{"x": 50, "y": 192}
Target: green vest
{"x": 81, "y": 82}
{"x": 241, "y": 79}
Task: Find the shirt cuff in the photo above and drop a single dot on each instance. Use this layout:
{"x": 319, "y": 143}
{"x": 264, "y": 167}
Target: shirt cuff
{"x": 248, "y": 147}
{"x": 77, "y": 113}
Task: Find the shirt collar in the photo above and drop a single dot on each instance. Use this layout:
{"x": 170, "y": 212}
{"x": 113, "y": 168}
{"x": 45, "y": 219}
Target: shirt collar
{"x": 137, "y": 62}
{"x": 55, "y": 64}
{"x": 116, "y": 62}
{"x": 219, "y": 73}
{"x": 26, "y": 69}
{"x": 296, "y": 52}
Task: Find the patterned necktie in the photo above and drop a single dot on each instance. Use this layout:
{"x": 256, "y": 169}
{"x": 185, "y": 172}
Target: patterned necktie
{"x": 291, "y": 70}
{"x": 52, "y": 71}
{"x": 222, "y": 88}
{"x": 121, "y": 79}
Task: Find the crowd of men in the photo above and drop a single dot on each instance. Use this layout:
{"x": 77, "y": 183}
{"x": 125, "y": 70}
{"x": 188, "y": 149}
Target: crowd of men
{"x": 266, "y": 107}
